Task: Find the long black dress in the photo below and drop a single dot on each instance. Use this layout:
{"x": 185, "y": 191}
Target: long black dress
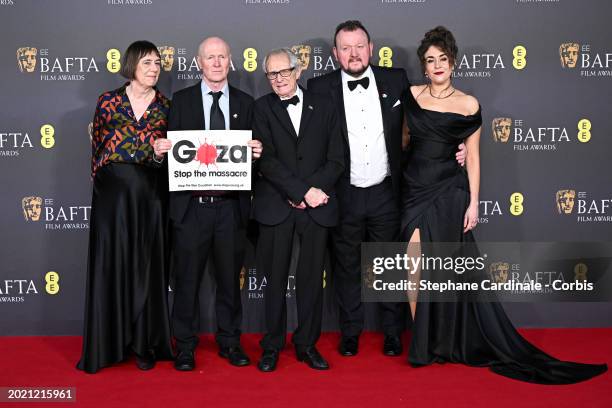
{"x": 435, "y": 198}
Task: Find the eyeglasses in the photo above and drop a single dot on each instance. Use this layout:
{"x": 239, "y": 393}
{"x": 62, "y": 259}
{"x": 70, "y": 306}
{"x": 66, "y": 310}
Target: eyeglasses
{"x": 283, "y": 72}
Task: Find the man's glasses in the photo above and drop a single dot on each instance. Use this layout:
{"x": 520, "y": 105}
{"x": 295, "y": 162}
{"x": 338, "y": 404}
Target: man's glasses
{"x": 283, "y": 72}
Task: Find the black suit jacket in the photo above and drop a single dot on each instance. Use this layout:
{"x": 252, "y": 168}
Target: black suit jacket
{"x": 187, "y": 113}
{"x": 290, "y": 165}
{"x": 392, "y": 84}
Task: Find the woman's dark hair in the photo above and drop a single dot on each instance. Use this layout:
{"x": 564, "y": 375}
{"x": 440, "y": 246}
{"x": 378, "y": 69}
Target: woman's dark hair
{"x": 441, "y": 38}
{"x": 133, "y": 54}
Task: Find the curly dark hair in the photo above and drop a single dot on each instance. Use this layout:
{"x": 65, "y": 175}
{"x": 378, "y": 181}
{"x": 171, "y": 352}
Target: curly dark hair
{"x": 441, "y": 38}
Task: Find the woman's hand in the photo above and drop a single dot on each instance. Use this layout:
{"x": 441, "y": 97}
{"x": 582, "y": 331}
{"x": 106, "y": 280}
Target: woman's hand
{"x": 161, "y": 147}
{"x": 471, "y": 218}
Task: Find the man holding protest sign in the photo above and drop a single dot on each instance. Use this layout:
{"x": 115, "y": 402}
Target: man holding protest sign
{"x": 214, "y": 220}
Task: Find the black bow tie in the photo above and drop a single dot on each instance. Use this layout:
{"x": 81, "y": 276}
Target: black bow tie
{"x": 365, "y": 82}
{"x": 291, "y": 101}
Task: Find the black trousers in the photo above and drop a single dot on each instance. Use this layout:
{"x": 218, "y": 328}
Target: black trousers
{"x": 208, "y": 228}
{"x": 372, "y": 216}
{"x": 273, "y": 259}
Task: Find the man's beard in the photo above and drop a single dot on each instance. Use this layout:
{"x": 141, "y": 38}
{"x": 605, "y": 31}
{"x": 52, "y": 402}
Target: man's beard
{"x": 357, "y": 73}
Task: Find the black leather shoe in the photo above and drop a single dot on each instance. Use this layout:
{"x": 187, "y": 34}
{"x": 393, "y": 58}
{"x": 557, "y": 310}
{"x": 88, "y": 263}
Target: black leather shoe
{"x": 147, "y": 361}
{"x": 184, "y": 361}
{"x": 236, "y": 356}
{"x": 313, "y": 358}
{"x": 392, "y": 346}
{"x": 268, "y": 361}
{"x": 349, "y": 346}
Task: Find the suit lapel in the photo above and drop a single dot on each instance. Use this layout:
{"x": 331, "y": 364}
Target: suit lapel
{"x": 283, "y": 116}
{"x": 307, "y": 110}
{"x": 383, "y": 96}
{"x": 338, "y": 97}
{"x": 234, "y": 107}
{"x": 198, "y": 105}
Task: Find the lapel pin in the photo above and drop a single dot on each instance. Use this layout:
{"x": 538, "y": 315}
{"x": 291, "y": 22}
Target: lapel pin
{"x": 384, "y": 95}
{"x": 235, "y": 115}
{"x": 310, "y": 107}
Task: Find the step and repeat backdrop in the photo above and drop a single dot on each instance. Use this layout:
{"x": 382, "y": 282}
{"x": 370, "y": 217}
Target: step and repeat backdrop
{"x": 542, "y": 71}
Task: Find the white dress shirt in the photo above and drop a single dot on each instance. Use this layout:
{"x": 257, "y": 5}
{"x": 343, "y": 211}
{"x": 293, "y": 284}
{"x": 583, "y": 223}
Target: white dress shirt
{"x": 207, "y": 101}
{"x": 295, "y": 111}
{"x": 369, "y": 160}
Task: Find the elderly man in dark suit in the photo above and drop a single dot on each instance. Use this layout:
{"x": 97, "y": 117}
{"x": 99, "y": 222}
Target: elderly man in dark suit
{"x": 209, "y": 222}
{"x": 302, "y": 159}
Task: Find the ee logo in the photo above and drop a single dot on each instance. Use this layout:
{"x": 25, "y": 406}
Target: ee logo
{"x": 519, "y": 53}
{"x": 113, "y": 57}
{"x": 516, "y": 204}
{"x": 46, "y": 136}
{"x": 385, "y": 54}
{"x": 584, "y": 130}
{"x": 250, "y": 61}
{"x": 52, "y": 279}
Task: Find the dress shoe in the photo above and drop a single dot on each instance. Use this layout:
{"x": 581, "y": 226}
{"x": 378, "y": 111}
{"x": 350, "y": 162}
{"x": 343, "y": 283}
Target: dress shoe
{"x": 268, "y": 361}
{"x": 146, "y": 361}
{"x": 313, "y": 358}
{"x": 392, "y": 346}
{"x": 235, "y": 355}
{"x": 349, "y": 346}
{"x": 184, "y": 361}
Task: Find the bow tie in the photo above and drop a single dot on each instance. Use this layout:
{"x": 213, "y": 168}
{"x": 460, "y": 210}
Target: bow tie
{"x": 291, "y": 101}
{"x": 365, "y": 82}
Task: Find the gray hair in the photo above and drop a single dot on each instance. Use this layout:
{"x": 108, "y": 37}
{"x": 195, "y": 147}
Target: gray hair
{"x": 293, "y": 59}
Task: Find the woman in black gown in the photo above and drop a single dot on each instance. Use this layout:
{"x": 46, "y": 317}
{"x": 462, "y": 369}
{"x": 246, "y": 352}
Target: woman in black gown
{"x": 126, "y": 308}
{"x": 440, "y": 204}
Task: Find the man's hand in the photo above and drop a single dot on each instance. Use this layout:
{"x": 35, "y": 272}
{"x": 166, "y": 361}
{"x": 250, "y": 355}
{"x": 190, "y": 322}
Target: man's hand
{"x": 301, "y": 206}
{"x": 315, "y": 197}
{"x": 461, "y": 154}
{"x": 161, "y": 147}
{"x": 256, "y": 147}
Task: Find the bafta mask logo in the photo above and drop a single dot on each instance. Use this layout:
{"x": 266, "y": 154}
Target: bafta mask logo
{"x": 303, "y": 54}
{"x": 167, "y": 57}
{"x": 368, "y": 276}
{"x": 501, "y": 129}
{"x": 26, "y": 59}
{"x": 565, "y": 201}
{"x": 32, "y": 208}
{"x": 242, "y": 277}
{"x": 569, "y": 54}
{"x": 498, "y": 271}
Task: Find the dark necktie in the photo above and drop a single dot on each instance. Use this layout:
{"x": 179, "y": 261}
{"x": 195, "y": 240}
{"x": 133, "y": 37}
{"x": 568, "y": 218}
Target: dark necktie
{"x": 291, "y": 101}
{"x": 365, "y": 82}
{"x": 217, "y": 120}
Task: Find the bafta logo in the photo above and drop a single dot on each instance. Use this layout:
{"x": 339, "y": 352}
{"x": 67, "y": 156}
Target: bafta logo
{"x": 498, "y": 271}
{"x": 368, "y": 276}
{"x": 303, "y": 54}
{"x": 565, "y": 201}
{"x": 569, "y": 54}
{"x": 501, "y": 129}
{"x": 242, "y": 277}
{"x": 26, "y": 59}
{"x": 32, "y": 208}
{"x": 167, "y": 57}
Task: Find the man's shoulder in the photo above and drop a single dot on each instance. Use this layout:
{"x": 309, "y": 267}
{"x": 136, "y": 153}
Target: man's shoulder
{"x": 265, "y": 100}
{"x": 389, "y": 72}
{"x": 320, "y": 82}
{"x": 239, "y": 93}
{"x": 186, "y": 92}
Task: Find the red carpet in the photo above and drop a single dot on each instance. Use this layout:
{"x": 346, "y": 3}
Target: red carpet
{"x": 370, "y": 379}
